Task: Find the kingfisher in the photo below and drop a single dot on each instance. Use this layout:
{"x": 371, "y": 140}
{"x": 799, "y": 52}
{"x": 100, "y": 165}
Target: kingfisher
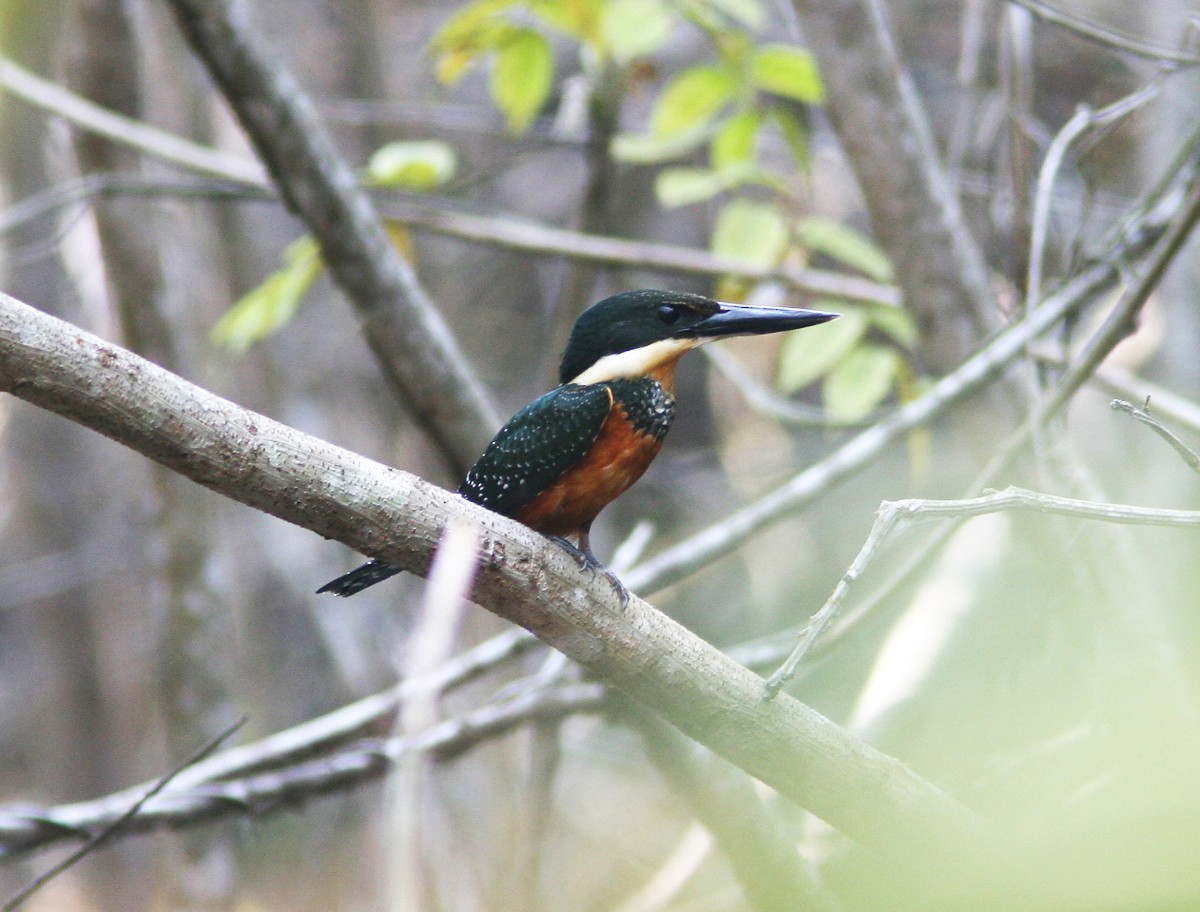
{"x": 568, "y": 454}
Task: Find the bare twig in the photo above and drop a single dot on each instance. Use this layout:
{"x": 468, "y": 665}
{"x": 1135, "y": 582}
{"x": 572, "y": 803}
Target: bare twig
{"x": 1082, "y": 120}
{"x": 1106, "y": 36}
{"x": 206, "y": 795}
{"x": 894, "y": 516}
{"x": 410, "y": 339}
{"x": 1154, "y": 233}
{"x": 882, "y": 125}
{"x": 163, "y": 145}
{"x": 110, "y": 830}
{"x": 1186, "y": 453}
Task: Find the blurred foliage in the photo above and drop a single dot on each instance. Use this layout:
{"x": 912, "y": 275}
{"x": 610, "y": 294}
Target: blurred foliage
{"x": 409, "y": 165}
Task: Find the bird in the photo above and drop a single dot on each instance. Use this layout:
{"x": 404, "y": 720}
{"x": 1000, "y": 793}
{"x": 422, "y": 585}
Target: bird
{"x": 563, "y": 458}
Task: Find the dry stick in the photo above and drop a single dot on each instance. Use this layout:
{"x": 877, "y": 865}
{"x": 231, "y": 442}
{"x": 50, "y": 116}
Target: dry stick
{"x": 508, "y": 231}
{"x": 1180, "y": 196}
{"x": 254, "y": 791}
{"x": 883, "y": 127}
{"x": 396, "y": 517}
{"x": 896, "y": 516}
{"x": 406, "y": 332}
{"x": 1106, "y": 36}
{"x": 79, "y": 111}
{"x": 1185, "y": 452}
{"x": 109, "y": 831}
{"x": 22, "y": 830}
{"x": 698, "y": 550}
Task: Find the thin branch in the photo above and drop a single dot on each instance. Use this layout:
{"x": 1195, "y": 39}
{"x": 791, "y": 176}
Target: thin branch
{"x": 895, "y": 516}
{"x": 885, "y": 132}
{"x": 411, "y": 341}
{"x": 1105, "y": 35}
{"x": 509, "y": 232}
{"x": 1082, "y": 120}
{"x": 393, "y": 516}
{"x": 207, "y": 795}
{"x": 121, "y": 823}
{"x": 531, "y": 237}
{"x": 53, "y": 98}
{"x": 1186, "y": 453}
{"x": 1153, "y": 233}
{"x": 1167, "y": 403}
{"x": 765, "y": 400}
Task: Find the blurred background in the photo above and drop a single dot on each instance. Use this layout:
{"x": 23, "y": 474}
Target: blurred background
{"x": 1045, "y": 671}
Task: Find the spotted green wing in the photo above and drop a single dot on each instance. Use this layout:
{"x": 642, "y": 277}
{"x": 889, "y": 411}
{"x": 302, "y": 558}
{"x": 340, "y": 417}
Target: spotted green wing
{"x": 539, "y": 445}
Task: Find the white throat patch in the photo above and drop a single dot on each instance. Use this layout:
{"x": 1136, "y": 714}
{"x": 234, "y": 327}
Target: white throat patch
{"x": 637, "y": 362}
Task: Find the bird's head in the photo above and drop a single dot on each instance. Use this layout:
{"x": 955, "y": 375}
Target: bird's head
{"x": 631, "y": 334}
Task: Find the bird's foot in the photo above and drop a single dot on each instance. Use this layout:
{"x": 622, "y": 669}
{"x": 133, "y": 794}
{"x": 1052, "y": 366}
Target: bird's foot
{"x": 588, "y": 561}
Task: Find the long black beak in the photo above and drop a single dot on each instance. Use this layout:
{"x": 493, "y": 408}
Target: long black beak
{"x": 746, "y": 320}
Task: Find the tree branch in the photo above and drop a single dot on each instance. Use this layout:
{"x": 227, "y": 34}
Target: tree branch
{"x": 403, "y": 327}
{"x": 888, "y": 140}
{"x": 396, "y": 517}
{"x": 208, "y": 791}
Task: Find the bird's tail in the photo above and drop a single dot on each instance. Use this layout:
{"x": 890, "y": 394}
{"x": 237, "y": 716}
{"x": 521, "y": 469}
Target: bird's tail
{"x": 357, "y": 580}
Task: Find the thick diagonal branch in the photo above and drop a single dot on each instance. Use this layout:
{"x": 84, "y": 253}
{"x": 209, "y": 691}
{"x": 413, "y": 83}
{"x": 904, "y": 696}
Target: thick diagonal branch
{"x": 408, "y": 335}
{"x": 399, "y": 518}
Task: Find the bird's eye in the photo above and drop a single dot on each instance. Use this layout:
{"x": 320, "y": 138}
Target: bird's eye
{"x": 668, "y": 313}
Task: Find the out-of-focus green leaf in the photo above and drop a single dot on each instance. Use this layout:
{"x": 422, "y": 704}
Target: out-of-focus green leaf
{"x": 578, "y": 18}
{"x": 684, "y": 186}
{"x": 895, "y": 322}
{"x": 691, "y": 100}
{"x": 522, "y": 74}
{"x": 464, "y": 27}
{"x": 734, "y": 141}
{"x": 412, "y": 164}
{"x": 845, "y": 245}
{"x": 788, "y": 71}
{"x": 810, "y": 354}
{"x": 645, "y": 148}
{"x": 270, "y": 306}
{"x": 751, "y": 231}
{"x": 860, "y": 382}
{"x": 794, "y": 134}
{"x": 633, "y": 28}
{"x": 452, "y": 65}
{"x": 748, "y": 13}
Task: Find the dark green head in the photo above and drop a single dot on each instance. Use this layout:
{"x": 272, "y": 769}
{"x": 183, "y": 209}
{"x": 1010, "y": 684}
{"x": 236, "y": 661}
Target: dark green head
{"x": 659, "y": 325}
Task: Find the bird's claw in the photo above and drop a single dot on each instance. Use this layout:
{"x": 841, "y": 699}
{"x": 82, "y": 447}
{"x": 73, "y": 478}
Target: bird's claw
{"x": 587, "y": 561}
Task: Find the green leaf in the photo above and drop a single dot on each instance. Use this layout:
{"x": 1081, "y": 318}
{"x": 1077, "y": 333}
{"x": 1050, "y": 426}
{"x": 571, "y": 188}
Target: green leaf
{"x": 860, "y": 382}
{"x": 691, "y": 100}
{"x": 522, "y": 74}
{"x": 895, "y": 322}
{"x": 465, "y": 27}
{"x": 578, "y": 18}
{"x": 633, "y": 28}
{"x": 845, "y": 245}
{"x": 412, "y": 164}
{"x": 684, "y": 186}
{"x": 269, "y": 307}
{"x": 787, "y": 71}
{"x": 810, "y": 354}
{"x": 645, "y": 148}
{"x": 748, "y": 13}
{"x": 794, "y": 134}
{"x": 734, "y": 141}
{"x": 750, "y": 231}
